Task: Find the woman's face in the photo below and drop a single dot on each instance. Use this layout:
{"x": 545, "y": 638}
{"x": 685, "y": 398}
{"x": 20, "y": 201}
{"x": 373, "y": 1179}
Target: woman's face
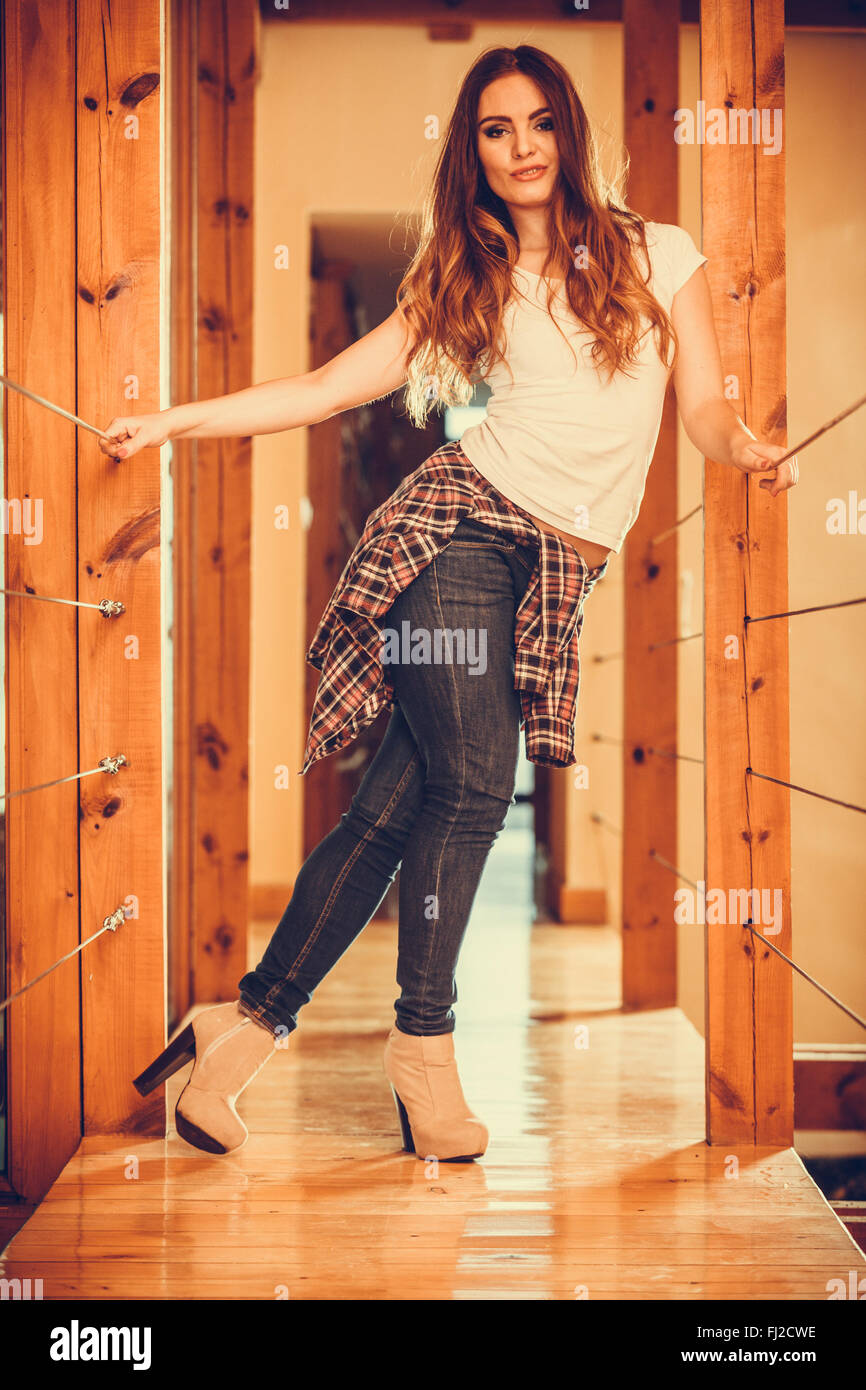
{"x": 517, "y": 142}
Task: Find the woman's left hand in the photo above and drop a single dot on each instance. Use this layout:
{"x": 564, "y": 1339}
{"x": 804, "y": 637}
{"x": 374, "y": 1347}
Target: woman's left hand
{"x": 752, "y": 456}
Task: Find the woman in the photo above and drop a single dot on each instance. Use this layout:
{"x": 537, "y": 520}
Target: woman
{"x": 530, "y": 276}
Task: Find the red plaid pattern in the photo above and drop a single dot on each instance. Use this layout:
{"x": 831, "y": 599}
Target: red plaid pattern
{"x": 400, "y": 539}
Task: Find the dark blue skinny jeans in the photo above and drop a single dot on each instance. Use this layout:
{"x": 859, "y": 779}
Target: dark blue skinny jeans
{"x": 432, "y": 801}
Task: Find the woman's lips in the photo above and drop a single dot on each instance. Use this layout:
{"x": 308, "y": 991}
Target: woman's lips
{"x": 537, "y": 171}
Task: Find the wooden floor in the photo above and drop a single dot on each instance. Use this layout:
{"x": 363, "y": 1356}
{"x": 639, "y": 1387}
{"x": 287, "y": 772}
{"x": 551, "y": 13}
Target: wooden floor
{"x": 597, "y": 1182}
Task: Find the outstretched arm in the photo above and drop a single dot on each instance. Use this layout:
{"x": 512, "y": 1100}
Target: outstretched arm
{"x": 710, "y": 421}
{"x": 366, "y": 370}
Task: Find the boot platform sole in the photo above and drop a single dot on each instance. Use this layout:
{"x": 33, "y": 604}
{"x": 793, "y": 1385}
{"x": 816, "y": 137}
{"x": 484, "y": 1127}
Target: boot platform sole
{"x": 199, "y": 1138}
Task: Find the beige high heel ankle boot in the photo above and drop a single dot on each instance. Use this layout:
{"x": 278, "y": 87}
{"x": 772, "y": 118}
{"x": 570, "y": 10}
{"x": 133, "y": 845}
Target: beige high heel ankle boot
{"x": 229, "y": 1048}
{"x": 435, "y": 1120}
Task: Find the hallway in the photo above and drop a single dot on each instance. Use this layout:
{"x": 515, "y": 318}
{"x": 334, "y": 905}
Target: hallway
{"x": 597, "y": 1183}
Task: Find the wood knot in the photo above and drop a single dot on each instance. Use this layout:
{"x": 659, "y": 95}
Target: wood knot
{"x": 213, "y": 319}
{"x": 120, "y": 283}
{"x": 722, "y": 1089}
{"x": 139, "y": 88}
{"x": 210, "y": 745}
{"x": 224, "y": 937}
{"x": 135, "y": 538}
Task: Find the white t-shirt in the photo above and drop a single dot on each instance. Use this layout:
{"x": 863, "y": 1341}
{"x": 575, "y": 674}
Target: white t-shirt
{"x": 565, "y": 442}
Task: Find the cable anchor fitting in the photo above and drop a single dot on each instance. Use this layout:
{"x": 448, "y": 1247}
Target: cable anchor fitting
{"x": 112, "y": 765}
{"x": 117, "y": 918}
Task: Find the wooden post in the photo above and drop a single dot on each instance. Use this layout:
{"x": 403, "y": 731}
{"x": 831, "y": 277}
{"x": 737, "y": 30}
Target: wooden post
{"x": 227, "y": 70}
{"x": 749, "y": 989}
{"x": 182, "y": 68}
{"x": 42, "y": 1028}
{"x": 215, "y": 69}
{"x": 327, "y": 789}
{"x": 120, "y": 661}
{"x": 649, "y": 967}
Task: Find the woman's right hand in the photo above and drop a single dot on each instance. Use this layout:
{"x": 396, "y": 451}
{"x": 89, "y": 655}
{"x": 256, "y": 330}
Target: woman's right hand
{"x": 127, "y": 434}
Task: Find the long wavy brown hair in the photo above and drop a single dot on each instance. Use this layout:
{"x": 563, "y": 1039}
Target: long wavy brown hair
{"x": 459, "y": 280}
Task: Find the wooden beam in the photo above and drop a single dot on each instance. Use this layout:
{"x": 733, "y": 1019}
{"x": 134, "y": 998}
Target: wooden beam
{"x": 42, "y": 1030}
{"x": 327, "y": 789}
{"x": 222, "y": 516}
{"x": 830, "y": 1087}
{"x": 119, "y": 135}
{"x": 182, "y": 84}
{"x": 801, "y": 14}
{"x": 436, "y": 13}
{"x": 649, "y": 960}
{"x": 749, "y": 989}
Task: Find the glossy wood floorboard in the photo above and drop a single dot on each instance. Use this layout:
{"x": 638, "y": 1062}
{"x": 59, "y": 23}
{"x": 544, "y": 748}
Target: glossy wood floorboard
{"x": 597, "y": 1182}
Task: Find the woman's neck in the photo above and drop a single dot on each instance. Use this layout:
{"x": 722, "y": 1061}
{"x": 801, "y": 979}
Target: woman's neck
{"x": 530, "y": 224}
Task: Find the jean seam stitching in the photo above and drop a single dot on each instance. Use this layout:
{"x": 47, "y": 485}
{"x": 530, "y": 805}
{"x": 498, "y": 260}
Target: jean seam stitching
{"x": 456, "y": 811}
{"x": 528, "y": 565}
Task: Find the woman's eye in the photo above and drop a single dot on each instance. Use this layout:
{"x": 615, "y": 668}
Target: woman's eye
{"x": 494, "y": 130}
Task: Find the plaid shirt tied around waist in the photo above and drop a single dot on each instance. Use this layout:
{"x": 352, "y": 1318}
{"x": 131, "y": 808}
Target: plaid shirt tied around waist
{"x": 400, "y": 539}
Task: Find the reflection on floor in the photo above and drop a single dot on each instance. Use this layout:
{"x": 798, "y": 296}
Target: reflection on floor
{"x": 597, "y": 1183}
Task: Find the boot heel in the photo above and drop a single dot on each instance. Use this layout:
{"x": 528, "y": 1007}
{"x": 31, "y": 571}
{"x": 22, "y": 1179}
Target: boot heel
{"x": 408, "y": 1141}
{"x": 181, "y": 1050}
